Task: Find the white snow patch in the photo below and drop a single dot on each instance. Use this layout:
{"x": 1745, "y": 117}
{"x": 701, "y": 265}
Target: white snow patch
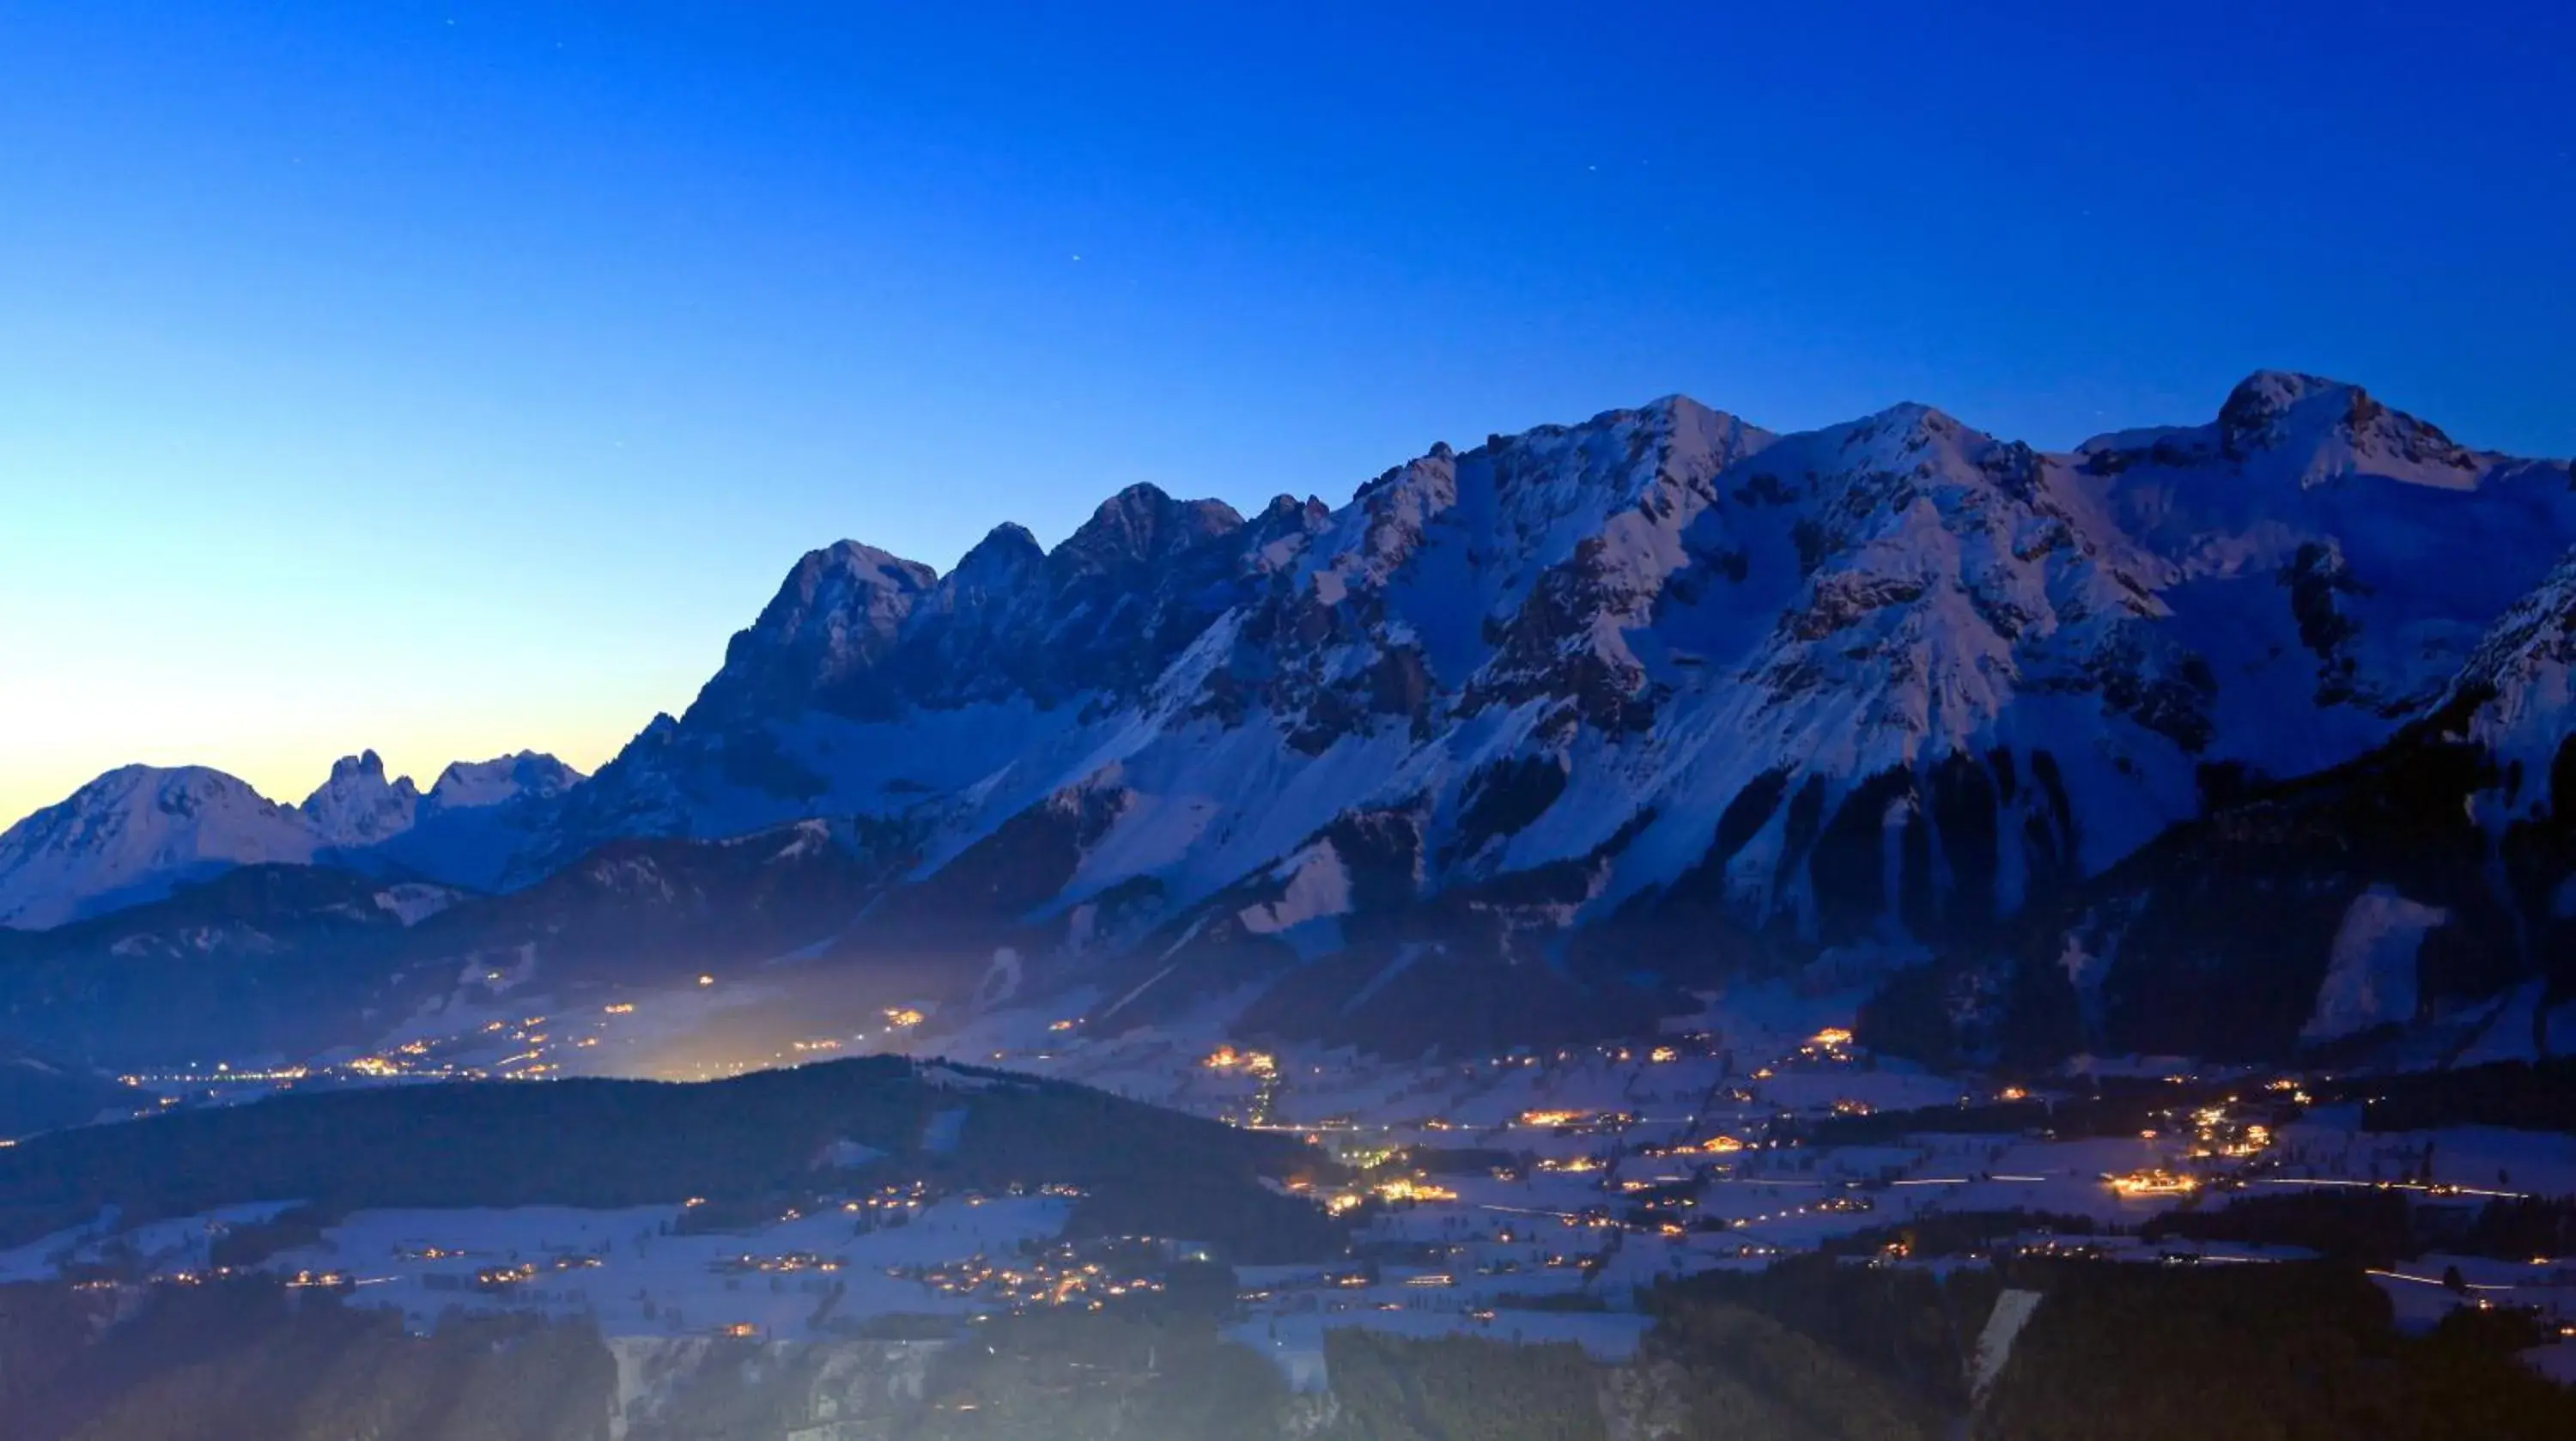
{"x": 2370, "y": 980}
{"x": 412, "y": 902}
{"x": 2003, "y": 1326}
{"x": 846, "y": 1155}
{"x": 1321, "y": 886}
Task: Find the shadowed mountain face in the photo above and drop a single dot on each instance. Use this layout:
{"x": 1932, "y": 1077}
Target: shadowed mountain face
{"x": 1586, "y": 713}
{"x": 761, "y": 1139}
{"x": 2427, "y": 886}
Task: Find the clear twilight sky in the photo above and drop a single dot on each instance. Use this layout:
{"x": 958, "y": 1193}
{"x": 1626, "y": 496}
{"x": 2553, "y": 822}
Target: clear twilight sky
{"x": 454, "y": 378}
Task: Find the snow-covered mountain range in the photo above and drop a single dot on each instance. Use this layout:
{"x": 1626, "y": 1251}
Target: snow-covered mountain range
{"x": 137, "y": 832}
{"x": 1660, "y": 693}
{"x": 1887, "y": 679}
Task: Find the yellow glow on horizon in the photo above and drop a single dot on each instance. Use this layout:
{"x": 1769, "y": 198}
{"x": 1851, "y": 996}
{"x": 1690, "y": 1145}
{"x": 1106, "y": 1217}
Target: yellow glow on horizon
{"x": 257, "y": 627}
{"x": 282, "y": 756}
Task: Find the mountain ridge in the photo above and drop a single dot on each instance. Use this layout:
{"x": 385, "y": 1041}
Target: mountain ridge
{"x": 139, "y": 832}
{"x": 1661, "y": 679}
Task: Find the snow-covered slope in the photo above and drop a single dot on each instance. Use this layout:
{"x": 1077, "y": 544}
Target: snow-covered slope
{"x": 135, "y": 833}
{"x": 1662, "y": 679}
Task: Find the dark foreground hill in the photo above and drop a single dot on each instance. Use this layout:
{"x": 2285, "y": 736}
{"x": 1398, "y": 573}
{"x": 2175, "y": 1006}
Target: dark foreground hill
{"x": 749, "y": 1146}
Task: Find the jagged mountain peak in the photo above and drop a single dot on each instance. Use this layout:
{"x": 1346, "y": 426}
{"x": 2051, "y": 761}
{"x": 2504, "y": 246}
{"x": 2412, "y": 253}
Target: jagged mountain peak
{"x": 358, "y": 806}
{"x": 2271, "y": 407}
{"x": 2325, "y": 430}
{"x": 1910, "y": 416}
{"x": 1907, "y": 428}
{"x": 1670, "y": 420}
{"x": 1676, "y": 403}
{"x": 856, "y": 563}
{"x": 1542, "y": 486}
{"x": 2308, "y": 431}
{"x": 841, "y": 586}
{"x": 2269, "y": 392}
{"x": 839, "y": 610}
{"x": 1143, "y": 523}
{"x": 365, "y": 764}
{"x": 1694, "y": 434}
{"x": 1287, "y": 512}
{"x": 1007, "y": 546}
{"x": 1000, "y": 565}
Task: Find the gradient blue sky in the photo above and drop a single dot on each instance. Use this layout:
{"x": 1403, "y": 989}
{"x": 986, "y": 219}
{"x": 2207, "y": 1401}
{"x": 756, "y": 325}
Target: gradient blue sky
{"x": 453, "y": 378}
